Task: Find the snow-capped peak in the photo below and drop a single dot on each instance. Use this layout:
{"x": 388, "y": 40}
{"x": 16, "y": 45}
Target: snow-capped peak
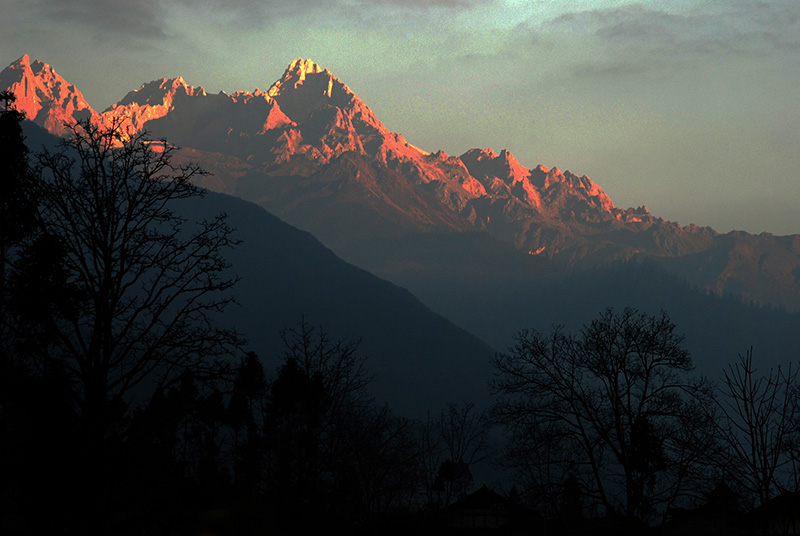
{"x": 43, "y": 95}
{"x": 152, "y": 100}
{"x": 296, "y": 74}
{"x": 302, "y": 67}
{"x": 306, "y": 88}
{"x": 24, "y": 61}
{"x": 160, "y": 92}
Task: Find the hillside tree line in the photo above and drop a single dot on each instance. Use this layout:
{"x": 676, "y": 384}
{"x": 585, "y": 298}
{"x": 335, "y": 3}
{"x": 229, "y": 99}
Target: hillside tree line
{"x": 611, "y": 422}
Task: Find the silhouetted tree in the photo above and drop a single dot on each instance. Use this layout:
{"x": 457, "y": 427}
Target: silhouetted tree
{"x": 383, "y": 469}
{"x": 39, "y": 450}
{"x": 32, "y": 284}
{"x": 757, "y": 426}
{"x": 245, "y": 415}
{"x": 339, "y": 379}
{"x": 329, "y": 448}
{"x": 17, "y": 211}
{"x": 8, "y": 99}
{"x": 337, "y": 361}
{"x": 613, "y": 406}
{"x": 571, "y": 507}
{"x": 37, "y": 411}
{"x": 146, "y": 284}
{"x": 452, "y": 444}
{"x": 174, "y": 460}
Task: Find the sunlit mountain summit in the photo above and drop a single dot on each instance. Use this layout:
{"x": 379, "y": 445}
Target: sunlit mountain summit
{"x": 311, "y": 151}
{"x": 45, "y": 96}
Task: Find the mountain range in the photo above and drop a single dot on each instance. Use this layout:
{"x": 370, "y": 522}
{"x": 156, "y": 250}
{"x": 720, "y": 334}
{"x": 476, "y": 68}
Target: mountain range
{"x": 487, "y": 242}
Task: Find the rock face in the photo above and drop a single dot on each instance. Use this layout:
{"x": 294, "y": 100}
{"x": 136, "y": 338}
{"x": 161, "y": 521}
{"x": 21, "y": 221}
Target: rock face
{"x": 312, "y": 152}
{"x": 46, "y": 98}
{"x": 151, "y": 101}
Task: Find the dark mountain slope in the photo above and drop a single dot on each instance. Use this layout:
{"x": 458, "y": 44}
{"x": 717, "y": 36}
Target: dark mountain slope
{"x": 717, "y": 329}
{"x": 420, "y": 360}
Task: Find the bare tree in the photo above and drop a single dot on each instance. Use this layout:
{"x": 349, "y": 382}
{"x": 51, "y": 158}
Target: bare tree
{"x": 17, "y": 212}
{"x": 328, "y": 445}
{"x": 757, "y": 426}
{"x": 452, "y": 444}
{"x": 383, "y": 465}
{"x": 465, "y": 432}
{"x": 318, "y": 397}
{"x": 8, "y": 99}
{"x": 337, "y": 361}
{"x": 613, "y": 406}
{"x": 146, "y": 283}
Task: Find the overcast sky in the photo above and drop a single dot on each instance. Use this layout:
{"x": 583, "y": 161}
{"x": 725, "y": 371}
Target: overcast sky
{"x": 691, "y": 107}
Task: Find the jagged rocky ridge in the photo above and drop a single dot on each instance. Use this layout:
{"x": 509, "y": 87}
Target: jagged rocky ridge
{"x": 309, "y": 150}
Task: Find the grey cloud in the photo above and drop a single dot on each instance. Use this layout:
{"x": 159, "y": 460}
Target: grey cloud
{"x": 614, "y": 69}
{"x": 146, "y": 19}
{"x": 108, "y": 18}
{"x": 649, "y": 30}
{"x": 640, "y": 38}
{"x": 276, "y": 9}
{"x": 430, "y": 3}
{"x": 775, "y": 24}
